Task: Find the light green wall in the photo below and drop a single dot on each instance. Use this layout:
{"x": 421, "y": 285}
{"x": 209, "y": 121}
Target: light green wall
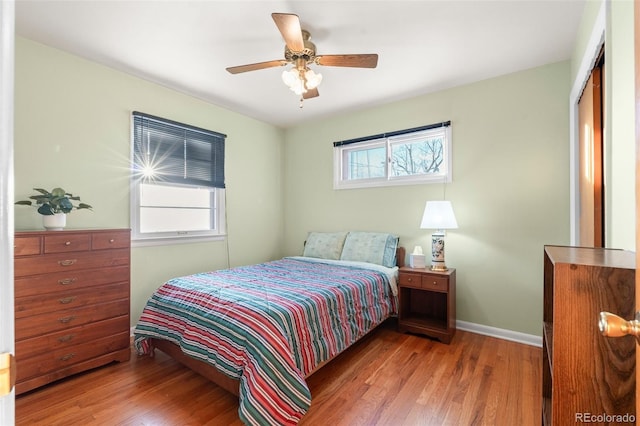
{"x": 72, "y": 129}
{"x": 510, "y": 188}
{"x": 620, "y": 151}
{"x": 587, "y": 22}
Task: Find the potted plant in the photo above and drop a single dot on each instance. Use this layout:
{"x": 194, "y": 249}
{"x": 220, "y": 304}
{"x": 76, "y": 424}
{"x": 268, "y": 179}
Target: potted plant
{"x": 54, "y": 206}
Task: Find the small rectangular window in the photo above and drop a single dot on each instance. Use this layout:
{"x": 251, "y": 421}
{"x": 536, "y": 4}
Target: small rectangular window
{"x": 419, "y": 155}
{"x": 177, "y": 181}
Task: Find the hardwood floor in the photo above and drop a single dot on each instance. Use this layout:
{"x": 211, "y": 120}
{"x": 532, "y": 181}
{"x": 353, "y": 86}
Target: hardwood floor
{"x": 385, "y": 379}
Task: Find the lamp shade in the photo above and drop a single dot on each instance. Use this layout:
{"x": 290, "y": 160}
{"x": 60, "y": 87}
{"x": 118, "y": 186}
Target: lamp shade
{"x": 438, "y": 215}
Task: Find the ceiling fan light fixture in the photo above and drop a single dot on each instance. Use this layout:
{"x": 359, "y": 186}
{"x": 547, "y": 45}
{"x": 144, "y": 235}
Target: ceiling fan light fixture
{"x": 313, "y": 79}
{"x": 301, "y": 81}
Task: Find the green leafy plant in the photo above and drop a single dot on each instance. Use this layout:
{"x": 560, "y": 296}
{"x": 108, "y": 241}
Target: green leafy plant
{"x": 56, "y": 201}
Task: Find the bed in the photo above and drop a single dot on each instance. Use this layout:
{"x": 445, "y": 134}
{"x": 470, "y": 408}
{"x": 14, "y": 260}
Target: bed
{"x": 260, "y": 330}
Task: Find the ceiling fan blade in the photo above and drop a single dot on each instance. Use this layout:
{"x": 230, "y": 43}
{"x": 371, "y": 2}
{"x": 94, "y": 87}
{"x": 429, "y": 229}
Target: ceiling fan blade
{"x": 312, "y": 93}
{"x": 256, "y": 66}
{"x": 357, "y": 61}
{"x": 289, "y": 26}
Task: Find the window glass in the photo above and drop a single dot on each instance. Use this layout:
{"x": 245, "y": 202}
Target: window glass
{"x": 366, "y": 163}
{"x": 421, "y": 156}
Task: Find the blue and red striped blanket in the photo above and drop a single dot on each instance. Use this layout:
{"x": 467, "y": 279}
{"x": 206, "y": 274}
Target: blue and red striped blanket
{"x": 269, "y": 325}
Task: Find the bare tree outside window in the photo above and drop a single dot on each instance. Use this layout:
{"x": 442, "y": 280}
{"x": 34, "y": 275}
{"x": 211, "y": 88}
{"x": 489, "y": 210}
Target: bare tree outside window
{"x": 423, "y": 157}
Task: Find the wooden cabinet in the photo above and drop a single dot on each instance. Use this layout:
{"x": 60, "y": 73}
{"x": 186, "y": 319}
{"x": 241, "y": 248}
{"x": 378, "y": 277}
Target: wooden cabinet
{"x": 427, "y": 302}
{"x": 584, "y": 374}
{"x": 71, "y": 302}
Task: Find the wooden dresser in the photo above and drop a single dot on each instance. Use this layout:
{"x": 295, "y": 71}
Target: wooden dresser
{"x": 71, "y": 302}
{"x": 584, "y": 374}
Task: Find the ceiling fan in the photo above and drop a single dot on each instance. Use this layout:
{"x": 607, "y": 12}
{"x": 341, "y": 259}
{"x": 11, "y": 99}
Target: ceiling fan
{"x": 301, "y": 52}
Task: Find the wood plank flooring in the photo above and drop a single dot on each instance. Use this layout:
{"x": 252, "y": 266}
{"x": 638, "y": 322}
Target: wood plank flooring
{"x": 385, "y": 379}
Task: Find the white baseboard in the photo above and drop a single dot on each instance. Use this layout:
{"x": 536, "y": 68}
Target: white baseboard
{"x": 500, "y": 333}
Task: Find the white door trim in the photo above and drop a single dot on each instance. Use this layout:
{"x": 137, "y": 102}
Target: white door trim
{"x": 7, "y": 58}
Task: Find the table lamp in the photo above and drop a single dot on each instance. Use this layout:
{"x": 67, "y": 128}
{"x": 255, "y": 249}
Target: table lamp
{"x": 438, "y": 215}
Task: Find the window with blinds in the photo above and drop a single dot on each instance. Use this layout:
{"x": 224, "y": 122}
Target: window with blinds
{"x": 403, "y": 157}
{"x": 177, "y": 181}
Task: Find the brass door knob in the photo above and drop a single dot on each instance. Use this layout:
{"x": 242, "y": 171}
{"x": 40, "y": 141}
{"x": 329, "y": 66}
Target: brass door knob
{"x": 612, "y": 325}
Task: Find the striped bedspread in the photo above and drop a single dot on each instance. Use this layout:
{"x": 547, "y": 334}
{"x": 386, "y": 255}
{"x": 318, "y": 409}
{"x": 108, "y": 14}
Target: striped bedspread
{"x": 269, "y": 325}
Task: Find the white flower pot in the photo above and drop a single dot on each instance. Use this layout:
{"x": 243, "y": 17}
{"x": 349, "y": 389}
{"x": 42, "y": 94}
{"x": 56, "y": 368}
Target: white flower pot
{"x": 54, "y": 222}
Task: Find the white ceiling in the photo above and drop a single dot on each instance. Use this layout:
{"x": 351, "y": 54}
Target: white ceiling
{"x": 423, "y": 46}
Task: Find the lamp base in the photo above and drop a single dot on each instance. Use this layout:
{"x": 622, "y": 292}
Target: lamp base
{"x": 440, "y": 268}
{"x": 437, "y": 252}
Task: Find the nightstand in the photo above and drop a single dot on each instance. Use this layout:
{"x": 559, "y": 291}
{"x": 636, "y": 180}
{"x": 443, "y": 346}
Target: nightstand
{"x": 427, "y": 302}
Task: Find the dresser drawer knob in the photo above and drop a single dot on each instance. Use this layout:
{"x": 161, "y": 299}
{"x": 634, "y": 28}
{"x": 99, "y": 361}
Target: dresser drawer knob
{"x": 66, "y": 338}
{"x": 111, "y": 241}
{"x": 67, "y": 357}
{"x": 67, "y": 262}
{"x": 67, "y": 243}
{"x": 67, "y": 281}
{"x": 67, "y": 300}
{"x": 67, "y": 320}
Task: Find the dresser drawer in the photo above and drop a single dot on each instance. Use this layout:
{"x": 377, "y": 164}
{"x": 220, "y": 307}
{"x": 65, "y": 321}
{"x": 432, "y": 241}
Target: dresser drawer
{"x": 62, "y": 243}
{"x": 68, "y": 299}
{"x": 410, "y": 280}
{"x": 110, "y": 240}
{"x": 73, "y": 336}
{"x": 62, "y": 281}
{"x": 26, "y": 246}
{"x": 434, "y": 283}
{"x": 73, "y": 261}
{"x": 70, "y": 337}
{"x": 65, "y": 319}
{"x": 65, "y": 357}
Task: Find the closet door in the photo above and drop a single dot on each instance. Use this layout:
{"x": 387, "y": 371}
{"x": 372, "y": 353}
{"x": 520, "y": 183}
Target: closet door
{"x": 591, "y": 161}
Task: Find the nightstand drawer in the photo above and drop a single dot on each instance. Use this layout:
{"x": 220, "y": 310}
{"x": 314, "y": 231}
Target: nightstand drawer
{"x": 431, "y": 282}
{"x": 410, "y": 280}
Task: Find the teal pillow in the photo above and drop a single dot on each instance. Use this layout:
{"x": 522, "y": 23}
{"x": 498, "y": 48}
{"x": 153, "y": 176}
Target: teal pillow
{"x": 371, "y": 247}
{"x": 324, "y": 245}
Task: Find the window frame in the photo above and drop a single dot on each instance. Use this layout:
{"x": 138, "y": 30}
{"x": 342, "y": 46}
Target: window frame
{"x": 217, "y": 206}
{"x": 388, "y": 140}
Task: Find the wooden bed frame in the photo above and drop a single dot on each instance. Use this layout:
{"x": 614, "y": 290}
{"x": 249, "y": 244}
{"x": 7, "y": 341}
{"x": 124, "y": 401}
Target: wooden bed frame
{"x": 211, "y": 373}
